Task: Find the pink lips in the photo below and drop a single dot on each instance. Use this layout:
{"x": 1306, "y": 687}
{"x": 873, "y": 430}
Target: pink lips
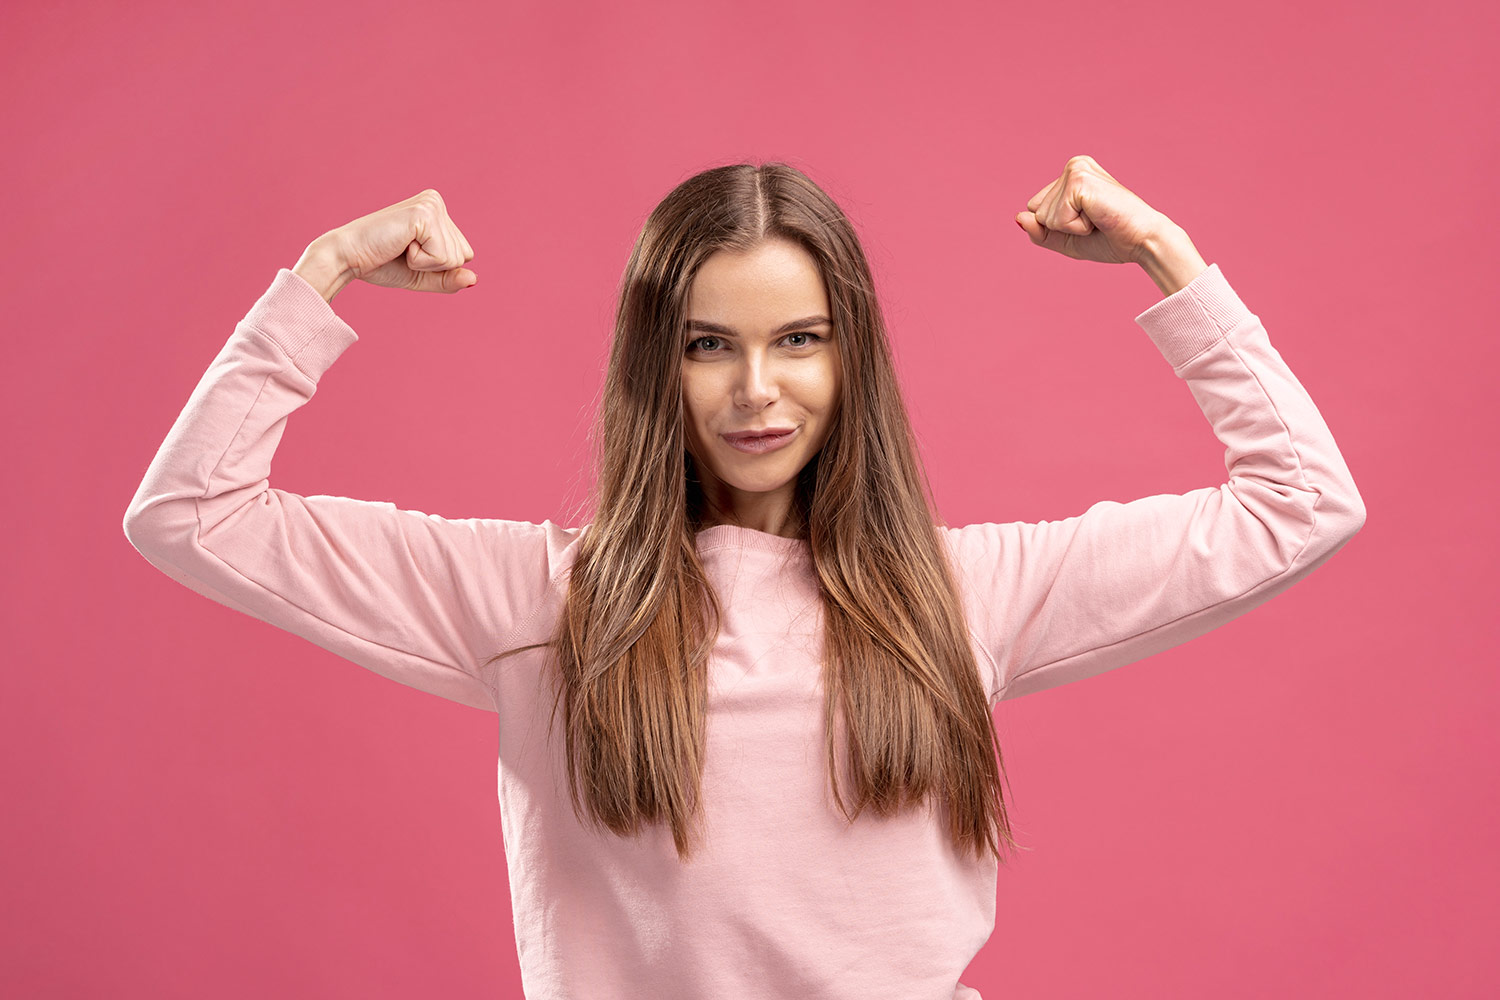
{"x": 762, "y": 432}
{"x": 759, "y": 442}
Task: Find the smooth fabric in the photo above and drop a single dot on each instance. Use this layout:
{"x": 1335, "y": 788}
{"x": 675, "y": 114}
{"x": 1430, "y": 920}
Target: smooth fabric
{"x": 785, "y": 899}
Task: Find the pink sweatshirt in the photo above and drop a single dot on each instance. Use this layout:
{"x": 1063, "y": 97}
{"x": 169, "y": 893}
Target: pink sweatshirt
{"x": 784, "y": 899}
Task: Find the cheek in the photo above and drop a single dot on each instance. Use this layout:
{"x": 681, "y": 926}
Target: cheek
{"x": 701, "y": 395}
{"x": 835, "y": 384}
{"x": 693, "y": 412}
{"x": 822, "y": 388}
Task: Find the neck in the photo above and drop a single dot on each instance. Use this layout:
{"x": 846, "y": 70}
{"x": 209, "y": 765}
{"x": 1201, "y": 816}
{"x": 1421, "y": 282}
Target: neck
{"x": 784, "y": 522}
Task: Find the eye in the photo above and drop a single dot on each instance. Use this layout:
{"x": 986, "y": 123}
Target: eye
{"x": 694, "y": 345}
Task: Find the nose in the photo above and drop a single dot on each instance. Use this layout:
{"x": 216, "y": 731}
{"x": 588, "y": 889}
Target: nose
{"x": 756, "y": 385}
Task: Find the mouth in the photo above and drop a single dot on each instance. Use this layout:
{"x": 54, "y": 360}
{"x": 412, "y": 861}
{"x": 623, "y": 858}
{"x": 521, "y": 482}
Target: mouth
{"x": 758, "y": 444}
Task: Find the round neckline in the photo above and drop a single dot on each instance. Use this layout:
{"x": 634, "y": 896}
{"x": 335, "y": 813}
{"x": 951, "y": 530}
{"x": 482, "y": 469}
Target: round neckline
{"x": 750, "y": 538}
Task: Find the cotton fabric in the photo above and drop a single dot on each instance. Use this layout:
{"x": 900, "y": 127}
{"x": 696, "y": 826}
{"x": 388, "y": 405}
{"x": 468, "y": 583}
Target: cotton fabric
{"x": 785, "y": 898}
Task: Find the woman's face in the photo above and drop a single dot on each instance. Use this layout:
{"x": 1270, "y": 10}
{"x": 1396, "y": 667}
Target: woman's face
{"x": 758, "y": 355}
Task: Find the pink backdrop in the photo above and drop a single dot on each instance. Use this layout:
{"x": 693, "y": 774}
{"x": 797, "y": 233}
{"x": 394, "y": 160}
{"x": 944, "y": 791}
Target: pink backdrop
{"x": 1300, "y": 804}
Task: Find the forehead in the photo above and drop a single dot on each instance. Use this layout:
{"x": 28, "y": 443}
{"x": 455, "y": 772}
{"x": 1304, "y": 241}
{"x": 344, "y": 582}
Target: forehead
{"x": 759, "y": 290}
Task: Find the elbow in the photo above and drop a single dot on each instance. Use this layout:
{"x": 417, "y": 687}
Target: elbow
{"x": 1353, "y": 509}
{"x": 137, "y": 520}
{"x": 131, "y": 522}
{"x": 137, "y": 529}
{"x": 1339, "y": 516}
{"x": 1356, "y": 517}
{"x": 150, "y": 524}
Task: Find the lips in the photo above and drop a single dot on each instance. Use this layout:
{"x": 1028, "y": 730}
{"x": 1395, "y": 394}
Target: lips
{"x": 761, "y": 442}
{"x": 764, "y": 432}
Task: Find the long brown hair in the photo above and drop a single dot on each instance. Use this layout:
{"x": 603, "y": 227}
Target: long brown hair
{"x": 633, "y": 640}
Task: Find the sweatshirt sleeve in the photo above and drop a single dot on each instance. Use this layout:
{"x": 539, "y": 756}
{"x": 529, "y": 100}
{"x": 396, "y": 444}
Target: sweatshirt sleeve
{"x": 415, "y": 597}
{"x": 1057, "y": 601}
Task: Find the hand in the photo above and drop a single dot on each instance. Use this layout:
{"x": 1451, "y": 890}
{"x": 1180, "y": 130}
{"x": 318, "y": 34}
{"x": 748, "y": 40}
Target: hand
{"x": 412, "y": 244}
{"x": 1088, "y": 215}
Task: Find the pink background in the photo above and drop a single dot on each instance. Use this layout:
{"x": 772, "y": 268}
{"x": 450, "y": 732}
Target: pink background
{"x": 1300, "y": 804}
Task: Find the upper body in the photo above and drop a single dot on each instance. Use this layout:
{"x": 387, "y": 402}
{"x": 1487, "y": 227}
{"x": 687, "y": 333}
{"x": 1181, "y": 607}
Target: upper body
{"x": 785, "y": 898}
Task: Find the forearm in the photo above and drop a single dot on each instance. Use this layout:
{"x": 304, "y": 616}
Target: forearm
{"x": 1172, "y": 260}
{"x": 321, "y": 267}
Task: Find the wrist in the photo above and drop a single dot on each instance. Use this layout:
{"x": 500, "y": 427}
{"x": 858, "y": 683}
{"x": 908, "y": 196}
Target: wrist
{"x": 1171, "y": 260}
{"x": 321, "y": 267}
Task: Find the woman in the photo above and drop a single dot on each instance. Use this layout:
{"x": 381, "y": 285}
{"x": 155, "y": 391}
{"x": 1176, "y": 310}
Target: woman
{"x": 777, "y": 771}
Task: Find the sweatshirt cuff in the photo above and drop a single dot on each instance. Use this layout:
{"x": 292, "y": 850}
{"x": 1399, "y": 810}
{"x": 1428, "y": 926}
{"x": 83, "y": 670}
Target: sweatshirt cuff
{"x": 1193, "y": 318}
{"x": 293, "y": 315}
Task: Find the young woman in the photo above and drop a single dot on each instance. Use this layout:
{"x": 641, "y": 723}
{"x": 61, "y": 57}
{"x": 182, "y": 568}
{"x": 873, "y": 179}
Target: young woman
{"x": 776, "y": 773}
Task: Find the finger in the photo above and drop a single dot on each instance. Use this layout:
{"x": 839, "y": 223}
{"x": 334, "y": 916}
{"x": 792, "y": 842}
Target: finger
{"x": 1061, "y": 211}
{"x": 446, "y": 282}
{"x": 1035, "y": 204}
{"x": 1077, "y": 222}
{"x": 459, "y": 251}
{"x": 436, "y": 245}
{"x": 1041, "y": 235}
{"x": 1054, "y": 214}
{"x": 1033, "y": 229}
{"x": 455, "y": 239}
{"x": 434, "y": 250}
{"x": 457, "y": 277}
{"x": 422, "y": 249}
{"x": 1047, "y": 213}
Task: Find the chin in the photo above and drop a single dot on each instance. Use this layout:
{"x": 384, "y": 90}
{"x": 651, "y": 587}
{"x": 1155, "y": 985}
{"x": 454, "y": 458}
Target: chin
{"x": 757, "y": 484}
{"x": 761, "y": 487}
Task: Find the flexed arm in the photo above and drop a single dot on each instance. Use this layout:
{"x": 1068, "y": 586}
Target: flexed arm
{"x": 1057, "y": 601}
{"x": 415, "y": 597}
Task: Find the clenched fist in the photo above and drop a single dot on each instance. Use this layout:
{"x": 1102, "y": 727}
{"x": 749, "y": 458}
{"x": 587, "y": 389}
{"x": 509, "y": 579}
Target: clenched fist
{"x": 413, "y": 244}
{"x": 1088, "y": 215}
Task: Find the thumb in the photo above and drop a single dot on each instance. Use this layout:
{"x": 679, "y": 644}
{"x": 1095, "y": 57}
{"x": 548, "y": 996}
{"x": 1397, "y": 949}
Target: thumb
{"x": 1029, "y": 226}
{"x": 447, "y": 282}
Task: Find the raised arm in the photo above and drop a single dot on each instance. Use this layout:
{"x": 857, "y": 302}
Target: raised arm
{"x": 1057, "y": 601}
{"x": 414, "y": 597}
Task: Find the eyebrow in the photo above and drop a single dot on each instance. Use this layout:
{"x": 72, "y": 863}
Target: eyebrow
{"x": 703, "y": 326}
